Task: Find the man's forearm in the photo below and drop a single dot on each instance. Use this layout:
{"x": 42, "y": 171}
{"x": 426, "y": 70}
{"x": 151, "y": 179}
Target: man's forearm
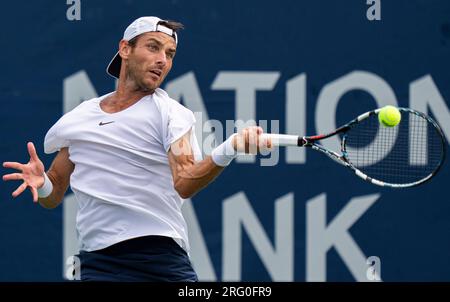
{"x": 191, "y": 179}
{"x": 55, "y": 197}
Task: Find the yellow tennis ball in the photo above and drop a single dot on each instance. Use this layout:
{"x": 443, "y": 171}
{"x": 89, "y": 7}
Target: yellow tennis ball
{"x": 389, "y": 116}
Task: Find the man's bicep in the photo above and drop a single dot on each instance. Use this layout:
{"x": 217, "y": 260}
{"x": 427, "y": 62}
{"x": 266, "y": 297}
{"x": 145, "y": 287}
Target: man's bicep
{"x": 180, "y": 154}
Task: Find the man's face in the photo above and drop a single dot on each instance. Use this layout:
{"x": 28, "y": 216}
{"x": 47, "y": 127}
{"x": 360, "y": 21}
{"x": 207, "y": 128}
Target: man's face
{"x": 150, "y": 60}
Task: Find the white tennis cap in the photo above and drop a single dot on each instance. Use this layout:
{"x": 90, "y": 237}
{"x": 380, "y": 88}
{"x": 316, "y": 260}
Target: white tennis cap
{"x": 139, "y": 26}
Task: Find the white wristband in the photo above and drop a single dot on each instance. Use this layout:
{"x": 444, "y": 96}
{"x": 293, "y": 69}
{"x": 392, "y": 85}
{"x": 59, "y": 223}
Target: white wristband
{"x": 46, "y": 188}
{"x": 224, "y": 154}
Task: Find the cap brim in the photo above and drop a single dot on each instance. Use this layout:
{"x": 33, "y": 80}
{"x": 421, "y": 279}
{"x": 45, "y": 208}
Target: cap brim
{"x": 113, "y": 68}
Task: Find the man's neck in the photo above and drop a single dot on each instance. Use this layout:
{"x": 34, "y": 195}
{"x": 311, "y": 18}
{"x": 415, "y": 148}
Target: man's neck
{"x": 127, "y": 94}
{"x": 127, "y": 91}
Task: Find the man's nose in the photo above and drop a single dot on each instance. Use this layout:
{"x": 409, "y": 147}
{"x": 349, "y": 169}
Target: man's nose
{"x": 161, "y": 58}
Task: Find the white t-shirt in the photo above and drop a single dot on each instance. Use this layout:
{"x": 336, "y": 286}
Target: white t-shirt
{"x": 122, "y": 179}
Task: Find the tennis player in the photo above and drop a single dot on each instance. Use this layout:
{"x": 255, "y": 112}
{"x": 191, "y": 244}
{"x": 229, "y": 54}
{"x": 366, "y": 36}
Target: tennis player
{"x": 131, "y": 157}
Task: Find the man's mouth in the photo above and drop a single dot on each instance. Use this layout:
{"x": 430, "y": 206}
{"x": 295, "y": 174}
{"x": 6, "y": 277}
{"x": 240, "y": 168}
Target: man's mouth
{"x": 156, "y": 72}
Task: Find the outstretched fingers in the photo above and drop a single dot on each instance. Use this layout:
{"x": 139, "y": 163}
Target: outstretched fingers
{"x": 12, "y": 176}
{"x": 19, "y": 190}
{"x": 13, "y": 165}
{"x": 32, "y": 151}
{"x": 35, "y": 194}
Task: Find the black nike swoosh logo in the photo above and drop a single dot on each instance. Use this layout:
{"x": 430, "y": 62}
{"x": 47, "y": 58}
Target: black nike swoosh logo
{"x": 101, "y": 123}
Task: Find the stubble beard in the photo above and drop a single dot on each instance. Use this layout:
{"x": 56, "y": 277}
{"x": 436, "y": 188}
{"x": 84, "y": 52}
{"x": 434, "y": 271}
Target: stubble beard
{"x": 138, "y": 82}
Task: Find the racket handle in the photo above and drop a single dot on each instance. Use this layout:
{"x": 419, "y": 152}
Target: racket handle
{"x": 281, "y": 139}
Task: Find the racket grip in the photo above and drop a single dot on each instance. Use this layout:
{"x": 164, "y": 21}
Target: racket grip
{"x": 281, "y": 139}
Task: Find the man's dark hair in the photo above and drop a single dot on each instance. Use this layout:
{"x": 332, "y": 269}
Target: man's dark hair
{"x": 173, "y": 25}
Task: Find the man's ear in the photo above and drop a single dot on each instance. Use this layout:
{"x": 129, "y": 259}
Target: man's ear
{"x": 124, "y": 49}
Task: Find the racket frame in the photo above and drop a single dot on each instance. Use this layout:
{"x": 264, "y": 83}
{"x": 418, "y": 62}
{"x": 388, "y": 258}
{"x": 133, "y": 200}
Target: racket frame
{"x": 311, "y": 142}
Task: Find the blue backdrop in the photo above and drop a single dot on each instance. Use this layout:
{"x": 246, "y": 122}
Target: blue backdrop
{"x": 293, "y": 52}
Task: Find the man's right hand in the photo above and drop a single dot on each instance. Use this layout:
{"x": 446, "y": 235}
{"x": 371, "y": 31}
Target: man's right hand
{"x": 32, "y": 173}
{"x": 248, "y": 140}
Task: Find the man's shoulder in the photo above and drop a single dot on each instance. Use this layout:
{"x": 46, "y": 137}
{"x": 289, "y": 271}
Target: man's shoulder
{"x": 171, "y": 103}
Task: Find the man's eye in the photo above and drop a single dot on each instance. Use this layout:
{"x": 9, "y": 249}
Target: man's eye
{"x": 153, "y": 47}
{"x": 170, "y": 55}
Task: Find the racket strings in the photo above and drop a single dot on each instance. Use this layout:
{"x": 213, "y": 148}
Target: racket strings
{"x": 403, "y": 154}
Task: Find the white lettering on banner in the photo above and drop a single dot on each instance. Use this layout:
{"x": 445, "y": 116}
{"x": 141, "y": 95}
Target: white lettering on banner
{"x": 329, "y": 98}
{"x": 199, "y": 254}
{"x": 76, "y": 89}
{"x": 424, "y": 95}
{"x": 245, "y": 84}
{"x": 278, "y": 259}
{"x": 320, "y": 237}
{"x": 186, "y": 88}
{"x": 70, "y": 239}
{"x": 296, "y": 116}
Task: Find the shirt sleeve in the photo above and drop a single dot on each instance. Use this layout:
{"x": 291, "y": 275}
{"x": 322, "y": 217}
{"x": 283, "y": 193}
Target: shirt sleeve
{"x": 180, "y": 121}
{"x": 56, "y": 137}
{"x": 53, "y": 141}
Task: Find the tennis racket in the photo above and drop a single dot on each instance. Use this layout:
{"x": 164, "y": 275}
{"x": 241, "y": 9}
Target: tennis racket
{"x": 406, "y": 155}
